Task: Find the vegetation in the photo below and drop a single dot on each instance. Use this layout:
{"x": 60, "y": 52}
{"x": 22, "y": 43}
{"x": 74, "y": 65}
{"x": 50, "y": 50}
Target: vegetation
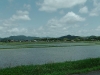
{"x": 65, "y": 68}
{"x": 18, "y": 45}
{"x": 68, "y": 38}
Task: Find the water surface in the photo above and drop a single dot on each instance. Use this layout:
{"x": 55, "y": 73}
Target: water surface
{"x": 27, "y": 56}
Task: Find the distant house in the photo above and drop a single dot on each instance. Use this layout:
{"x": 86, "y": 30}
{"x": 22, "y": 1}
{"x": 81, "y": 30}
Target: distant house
{"x": 35, "y": 40}
{"x": 12, "y": 40}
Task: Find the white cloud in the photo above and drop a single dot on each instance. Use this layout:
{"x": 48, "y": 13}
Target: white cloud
{"x": 54, "y": 5}
{"x": 20, "y": 15}
{"x": 27, "y": 6}
{"x": 7, "y": 31}
{"x": 53, "y": 23}
{"x": 14, "y": 30}
{"x": 62, "y": 12}
{"x": 1, "y": 28}
{"x": 18, "y": 30}
{"x": 56, "y": 27}
{"x": 14, "y": 19}
{"x": 96, "y": 10}
{"x": 20, "y": 12}
{"x": 83, "y": 10}
{"x": 10, "y": 26}
{"x": 95, "y": 2}
{"x": 71, "y": 17}
{"x": 59, "y": 27}
{"x": 10, "y": 31}
{"x": 98, "y": 28}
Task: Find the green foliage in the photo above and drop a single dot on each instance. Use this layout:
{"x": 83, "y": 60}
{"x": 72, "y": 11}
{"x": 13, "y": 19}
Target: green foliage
{"x": 65, "y": 68}
{"x": 67, "y": 38}
{"x": 5, "y": 40}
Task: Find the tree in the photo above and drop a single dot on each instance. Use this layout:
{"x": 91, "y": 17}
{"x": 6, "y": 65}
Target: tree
{"x": 5, "y": 40}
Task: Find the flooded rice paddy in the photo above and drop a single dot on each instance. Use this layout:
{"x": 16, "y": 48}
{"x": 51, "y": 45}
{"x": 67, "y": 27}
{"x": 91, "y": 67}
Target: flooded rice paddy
{"x": 27, "y": 54}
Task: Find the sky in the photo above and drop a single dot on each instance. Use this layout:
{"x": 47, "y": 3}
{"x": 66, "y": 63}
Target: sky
{"x": 49, "y": 18}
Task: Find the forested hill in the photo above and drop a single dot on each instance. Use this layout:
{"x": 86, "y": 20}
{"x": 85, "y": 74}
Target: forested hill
{"x": 20, "y": 37}
{"x": 62, "y": 38}
{"x": 71, "y": 37}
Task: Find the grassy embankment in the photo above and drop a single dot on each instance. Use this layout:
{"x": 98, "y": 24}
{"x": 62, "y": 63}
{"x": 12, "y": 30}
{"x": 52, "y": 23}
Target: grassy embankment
{"x": 65, "y": 68}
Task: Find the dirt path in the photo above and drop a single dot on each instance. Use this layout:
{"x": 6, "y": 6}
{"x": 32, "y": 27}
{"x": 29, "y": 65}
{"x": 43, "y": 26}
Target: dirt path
{"x": 90, "y": 73}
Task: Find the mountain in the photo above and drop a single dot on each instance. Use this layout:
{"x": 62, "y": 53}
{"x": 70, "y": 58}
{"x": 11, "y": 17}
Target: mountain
{"x": 68, "y": 37}
{"x": 71, "y": 37}
{"x": 22, "y": 37}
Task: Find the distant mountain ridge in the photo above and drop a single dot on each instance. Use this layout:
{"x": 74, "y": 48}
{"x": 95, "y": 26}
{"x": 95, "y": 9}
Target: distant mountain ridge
{"x": 62, "y": 38}
{"x": 22, "y": 37}
{"x": 69, "y": 37}
{"x": 29, "y": 38}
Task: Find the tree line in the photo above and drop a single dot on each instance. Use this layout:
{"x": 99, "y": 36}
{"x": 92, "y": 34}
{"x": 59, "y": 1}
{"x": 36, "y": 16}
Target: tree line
{"x": 63, "y": 38}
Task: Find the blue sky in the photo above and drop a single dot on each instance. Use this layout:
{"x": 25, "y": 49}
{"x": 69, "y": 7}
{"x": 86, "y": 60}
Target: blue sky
{"x": 49, "y": 18}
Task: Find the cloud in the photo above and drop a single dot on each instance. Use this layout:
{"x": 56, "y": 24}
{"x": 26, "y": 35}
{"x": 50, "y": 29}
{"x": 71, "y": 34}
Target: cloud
{"x": 14, "y": 19}
{"x": 62, "y": 12}
{"x": 18, "y": 30}
{"x": 71, "y": 17}
{"x": 7, "y": 31}
{"x": 55, "y": 27}
{"x": 96, "y": 10}
{"x": 20, "y": 12}
{"x": 98, "y": 28}
{"x": 54, "y": 5}
{"x": 83, "y": 10}
{"x": 27, "y": 6}
{"x": 60, "y": 26}
{"x": 1, "y": 28}
{"x": 10, "y": 26}
{"x": 20, "y": 15}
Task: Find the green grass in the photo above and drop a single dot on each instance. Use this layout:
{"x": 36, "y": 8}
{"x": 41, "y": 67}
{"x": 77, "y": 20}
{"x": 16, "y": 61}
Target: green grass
{"x": 18, "y": 45}
{"x": 65, "y": 68}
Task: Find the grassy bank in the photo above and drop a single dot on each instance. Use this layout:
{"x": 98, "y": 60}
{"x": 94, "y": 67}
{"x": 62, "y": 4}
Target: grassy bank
{"x": 65, "y": 68}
